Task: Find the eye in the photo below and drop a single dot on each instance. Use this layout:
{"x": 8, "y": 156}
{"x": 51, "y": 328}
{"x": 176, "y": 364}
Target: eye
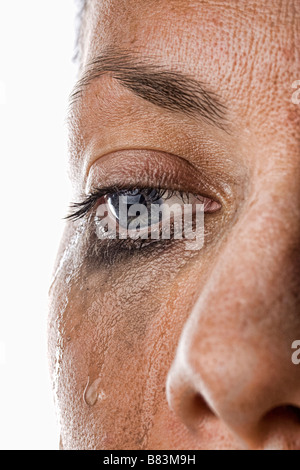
{"x": 124, "y": 220}
{"x": 135, "y": 203}
{"x": 150, "y": 213}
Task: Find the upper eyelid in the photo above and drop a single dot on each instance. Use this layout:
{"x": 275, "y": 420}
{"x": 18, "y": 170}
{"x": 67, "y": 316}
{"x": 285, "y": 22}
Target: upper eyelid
{"x": 146, "y": 160}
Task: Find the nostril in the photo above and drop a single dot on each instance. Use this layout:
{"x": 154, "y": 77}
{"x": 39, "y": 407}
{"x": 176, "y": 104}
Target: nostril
{"x": 283, "y": 413}
{"x": 186, "y": 401}
{"x": 193, "y": 410}
{"x": 281, "y": 427}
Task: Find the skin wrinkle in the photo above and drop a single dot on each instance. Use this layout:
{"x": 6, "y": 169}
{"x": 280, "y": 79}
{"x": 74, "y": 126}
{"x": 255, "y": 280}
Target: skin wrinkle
{"x": 192, "y": 350}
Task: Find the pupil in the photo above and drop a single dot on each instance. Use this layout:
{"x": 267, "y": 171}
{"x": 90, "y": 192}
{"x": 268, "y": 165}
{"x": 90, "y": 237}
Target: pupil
{"x": 120, "y": 203}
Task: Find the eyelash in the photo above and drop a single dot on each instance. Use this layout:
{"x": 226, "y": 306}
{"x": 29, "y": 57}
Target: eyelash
{"x": 80, "y": 209}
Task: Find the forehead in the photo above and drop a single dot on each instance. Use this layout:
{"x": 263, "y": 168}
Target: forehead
{"x": 153, "y": 24}
{"x": 246, "y": 50}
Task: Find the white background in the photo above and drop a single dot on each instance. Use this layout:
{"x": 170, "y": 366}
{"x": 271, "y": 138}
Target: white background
{"x": 36, "y": 76}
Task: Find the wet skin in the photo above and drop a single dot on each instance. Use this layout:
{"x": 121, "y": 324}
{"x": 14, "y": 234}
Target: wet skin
{"x": 162, "y": 347}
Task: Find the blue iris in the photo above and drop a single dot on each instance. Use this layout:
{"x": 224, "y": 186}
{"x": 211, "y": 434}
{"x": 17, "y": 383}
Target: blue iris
{"x": 123, "y": 204}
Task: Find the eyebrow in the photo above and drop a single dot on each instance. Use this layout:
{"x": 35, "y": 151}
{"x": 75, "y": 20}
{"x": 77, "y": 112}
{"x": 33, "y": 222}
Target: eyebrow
{"x": 166, "y": 88}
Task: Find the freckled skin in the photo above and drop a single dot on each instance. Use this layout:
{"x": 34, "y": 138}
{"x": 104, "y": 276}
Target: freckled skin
{"x": 189, "y": 350}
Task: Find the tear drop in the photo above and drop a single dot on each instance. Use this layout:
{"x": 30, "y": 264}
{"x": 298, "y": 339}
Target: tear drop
{"x": 91, "y": 392}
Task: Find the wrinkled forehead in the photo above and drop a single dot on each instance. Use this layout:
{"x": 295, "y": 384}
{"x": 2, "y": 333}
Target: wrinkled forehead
{"x": 246, "y": 50}
{"x": 188, "y": 25}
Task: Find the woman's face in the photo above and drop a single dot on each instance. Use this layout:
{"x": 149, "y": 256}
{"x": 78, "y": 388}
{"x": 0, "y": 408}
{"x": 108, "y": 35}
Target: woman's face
{"x": 154, "y": 345}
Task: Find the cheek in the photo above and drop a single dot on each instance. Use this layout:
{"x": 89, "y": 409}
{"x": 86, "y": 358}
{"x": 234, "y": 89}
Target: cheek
{"x": 111, "y": 345}
{"x": 96, "y": 357}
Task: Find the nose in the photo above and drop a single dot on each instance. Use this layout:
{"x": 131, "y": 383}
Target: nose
{"x": 234, "y": 354}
